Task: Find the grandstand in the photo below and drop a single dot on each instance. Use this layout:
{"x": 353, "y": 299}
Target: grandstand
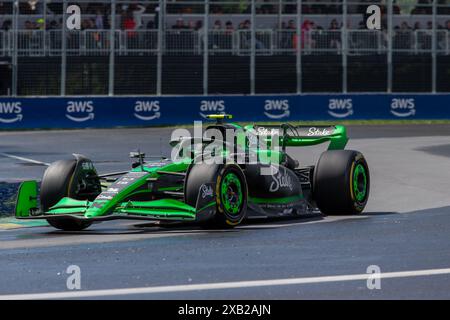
{"x": 212, "y": 47}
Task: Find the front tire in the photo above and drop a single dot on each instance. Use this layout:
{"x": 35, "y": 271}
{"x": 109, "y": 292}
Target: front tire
{"x": 230, "y": 188}
{"x": 231, "y": 196}
{"x": 57, "y": 184}
{"x": 341, "y": 182}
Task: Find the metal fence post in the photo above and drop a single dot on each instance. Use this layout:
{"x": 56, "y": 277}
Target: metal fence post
{"x": 205, "y": 47}
{"x": 15, "y": 30}
{"x": 344, "y": 46}
{"x": 64, "y": 50}
{"x": 280, "y": 13}
{"x": 299, "y": 46}
{"x": 389, "y": 43}
{"x": 253, "y": 49}
{"x": 112, "y": 48}
{"x": 433, "y": 50}
{"x": 160, "y": 47}
{"x": 44, "y": 37}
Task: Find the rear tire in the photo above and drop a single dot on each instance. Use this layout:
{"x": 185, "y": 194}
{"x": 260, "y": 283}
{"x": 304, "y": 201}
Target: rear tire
{"x": 341, "y": 182}
{"x": 56, "y": 184}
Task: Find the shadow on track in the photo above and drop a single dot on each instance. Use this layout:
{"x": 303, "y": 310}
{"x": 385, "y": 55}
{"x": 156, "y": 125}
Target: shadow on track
{"x": 193, "y": 228}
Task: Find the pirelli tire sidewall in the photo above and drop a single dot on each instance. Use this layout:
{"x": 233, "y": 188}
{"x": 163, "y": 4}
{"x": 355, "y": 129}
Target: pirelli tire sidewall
{"x": 334, "y": 189}
{"x": 56, "y": 184}
{"x": 223, "y": 216}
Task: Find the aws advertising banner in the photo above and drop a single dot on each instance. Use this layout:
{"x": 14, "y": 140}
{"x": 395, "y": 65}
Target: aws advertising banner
{"x": 74, "y": 112}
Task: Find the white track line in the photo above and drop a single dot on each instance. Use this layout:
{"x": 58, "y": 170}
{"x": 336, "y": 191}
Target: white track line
{"x": 24, "y": 159}
{"x": 220, "y": 285}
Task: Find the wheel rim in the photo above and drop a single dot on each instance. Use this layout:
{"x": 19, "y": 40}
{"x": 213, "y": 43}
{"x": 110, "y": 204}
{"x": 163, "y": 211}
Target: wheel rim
{"x": 360, "y": 183}
{"x": 231, "y": 194}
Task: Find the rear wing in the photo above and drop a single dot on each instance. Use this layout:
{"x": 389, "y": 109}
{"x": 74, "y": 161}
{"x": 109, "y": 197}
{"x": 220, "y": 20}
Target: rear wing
{"x": 301, "y": 136}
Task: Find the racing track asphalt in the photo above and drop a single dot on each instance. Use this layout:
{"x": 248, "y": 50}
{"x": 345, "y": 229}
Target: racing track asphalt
{"x": 404, "y": 228}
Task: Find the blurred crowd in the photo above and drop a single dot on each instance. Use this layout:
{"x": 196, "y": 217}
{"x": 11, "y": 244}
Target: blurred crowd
{"x": 236, "y": 7}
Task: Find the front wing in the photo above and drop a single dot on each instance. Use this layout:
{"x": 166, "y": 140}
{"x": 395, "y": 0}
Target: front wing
{"x": 162, "y": 209}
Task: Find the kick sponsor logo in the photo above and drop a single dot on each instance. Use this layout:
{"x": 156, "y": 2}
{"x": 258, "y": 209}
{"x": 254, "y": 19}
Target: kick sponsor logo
{"x": 340, "y": 108}
{"x": 80, "y": 111}
{"x": 10, "y": 112}
{"x": 211, "y": 106}
{"x": 276, "y": 109}
{"x": 147, "y": 110}
{"x": 402, "y": 108}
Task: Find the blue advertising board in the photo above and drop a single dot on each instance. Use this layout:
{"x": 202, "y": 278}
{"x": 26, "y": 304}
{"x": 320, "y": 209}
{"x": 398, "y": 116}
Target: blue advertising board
{"x": 75, "y": 112}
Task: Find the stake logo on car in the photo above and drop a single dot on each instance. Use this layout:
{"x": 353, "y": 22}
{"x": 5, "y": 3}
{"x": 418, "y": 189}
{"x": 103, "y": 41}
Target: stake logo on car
{"x": 207, "y": 191}
{"x": 281, "y": 180}
{"x": 318, "y": 132}
{"x": 147, "y": 110}
{"x": 80, "y": 111}
{"x": 10, "y": 112}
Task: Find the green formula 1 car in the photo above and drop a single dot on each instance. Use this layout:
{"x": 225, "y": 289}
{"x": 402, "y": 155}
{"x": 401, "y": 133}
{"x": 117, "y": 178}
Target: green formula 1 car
{"x": 216, "y": 187}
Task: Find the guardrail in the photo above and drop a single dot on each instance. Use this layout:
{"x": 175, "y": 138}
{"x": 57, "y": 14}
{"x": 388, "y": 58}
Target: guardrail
{"x": 236, "y": 42}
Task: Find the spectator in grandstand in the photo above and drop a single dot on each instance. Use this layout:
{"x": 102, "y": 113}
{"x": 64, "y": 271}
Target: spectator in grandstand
{"x": 128, "y": 22}
{"x": 417, "y": 26}
{"x": 26, "y": 38}
{"x": 137, "y": 10}
{"x": 155, "y": 19}
{"x": 335, "y": 36}
{"x": 179, "y": 24}
{"x": 29, "y": 25}
{"x": 99, "y": 20}
{"x": 402, "y": 37}
{"x": 404, "y": 26}
{"x": 53, "y": 25}
{"x": 307, "y": 41}
{"x": 362, "y": 25}
{"x": 217, "y": 25}
{"x": 229, "y": 27}
{"x": 191, "y": 25}
{"x": 151, "y": 25}
{"x": 7, "y": 24}
{"x": 87, "y": 24}
{"x": 198, "y": 25}
{"x": 129, "y": 25}
{"x": 291, "y": 25}
{"x": 40, "y": 24}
